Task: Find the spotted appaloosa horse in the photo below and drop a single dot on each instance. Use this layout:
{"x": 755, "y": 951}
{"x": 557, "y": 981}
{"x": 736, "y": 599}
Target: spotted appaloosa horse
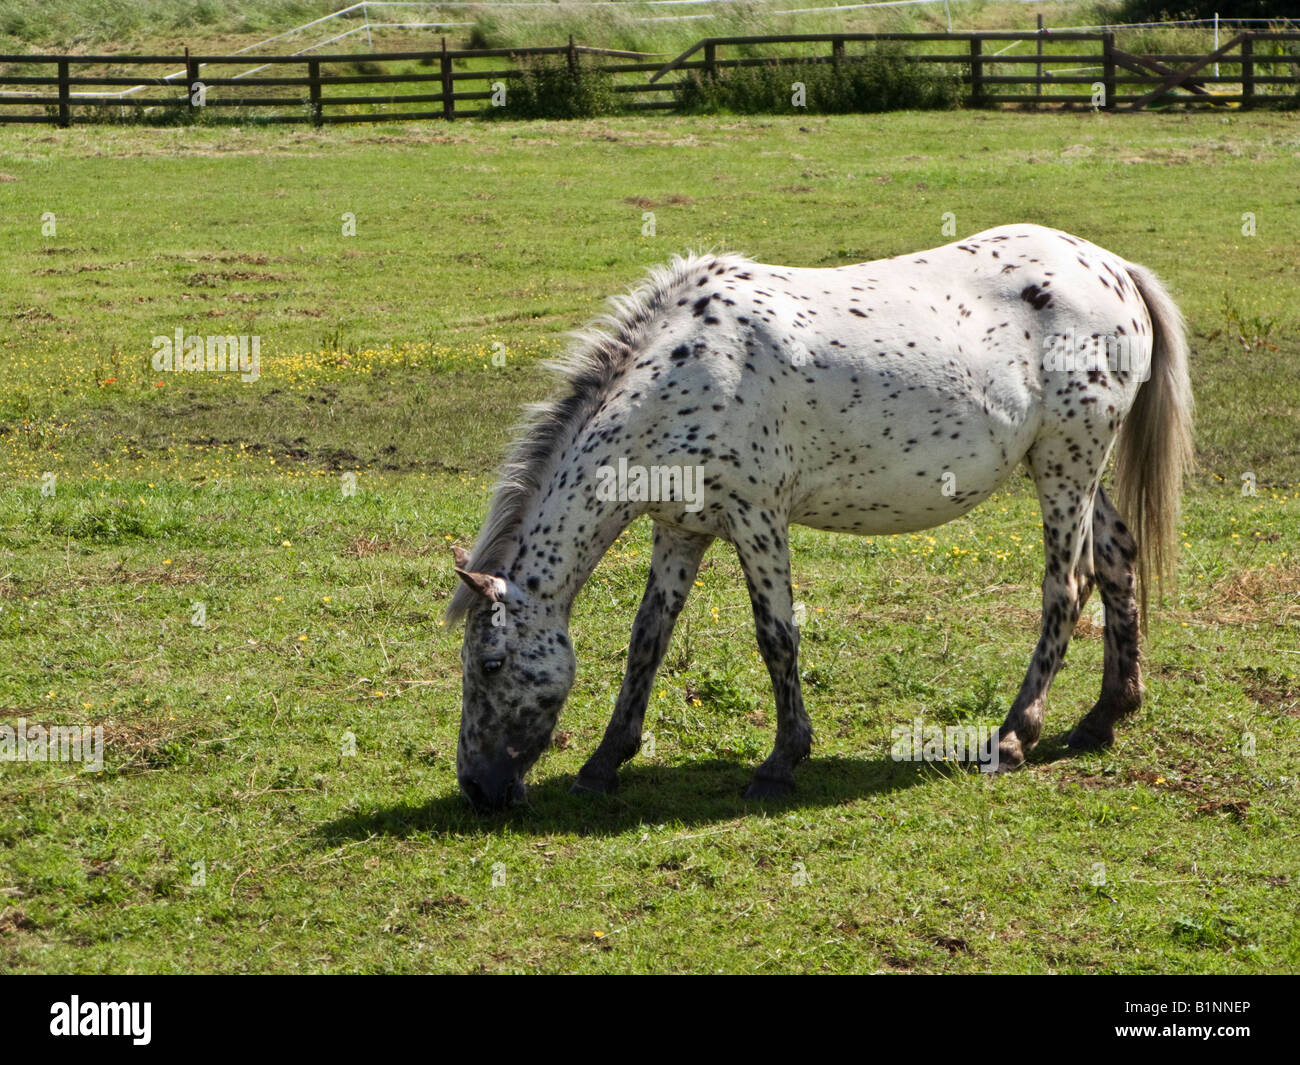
{"x": 885, "y": 397}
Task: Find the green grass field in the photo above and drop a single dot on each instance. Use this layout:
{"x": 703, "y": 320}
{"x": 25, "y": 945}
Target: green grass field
{"x": 279, "y": 790}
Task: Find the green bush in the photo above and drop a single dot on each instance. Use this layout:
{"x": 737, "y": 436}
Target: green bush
{"x": 549, "y": 87}
{"x": 886, "y": 79}
{"x": 1165, "y": 10}
{"x": 486, "y": 31}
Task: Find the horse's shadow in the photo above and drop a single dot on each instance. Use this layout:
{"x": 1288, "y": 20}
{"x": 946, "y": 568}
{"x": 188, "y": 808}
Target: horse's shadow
{"x": 696, "y": 793}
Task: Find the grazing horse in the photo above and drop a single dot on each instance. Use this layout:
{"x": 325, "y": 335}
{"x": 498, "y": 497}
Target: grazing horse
{"x": 885, "y": 397}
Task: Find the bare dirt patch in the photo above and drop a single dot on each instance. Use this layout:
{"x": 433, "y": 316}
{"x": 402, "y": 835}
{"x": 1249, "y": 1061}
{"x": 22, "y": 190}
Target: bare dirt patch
{"x": 1271, "y": 689}
{"x": 211, "y": 280}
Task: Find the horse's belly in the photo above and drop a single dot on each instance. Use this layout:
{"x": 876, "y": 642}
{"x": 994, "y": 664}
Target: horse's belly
{"x": 866, "y": 512}
{"x": 928, "y": 470}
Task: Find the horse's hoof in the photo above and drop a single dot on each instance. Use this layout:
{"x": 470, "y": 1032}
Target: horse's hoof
{"x": 1088, "y": 739}
{"x": 593, "y": 785}
{"x": 1010, "y": 757}
{"x": 768, "y": 788}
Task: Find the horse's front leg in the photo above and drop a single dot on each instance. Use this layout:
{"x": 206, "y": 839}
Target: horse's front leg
{"x": 675, "y": 561}
{"x": 762, "y": 542}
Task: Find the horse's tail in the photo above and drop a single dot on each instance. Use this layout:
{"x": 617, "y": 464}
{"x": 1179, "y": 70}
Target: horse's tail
{"x": 1155, "y": 443}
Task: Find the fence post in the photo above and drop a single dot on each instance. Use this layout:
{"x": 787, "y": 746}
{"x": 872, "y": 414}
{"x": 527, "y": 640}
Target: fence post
{"x": 313, "y": 89}
{"x": 448, "y": 102}
{"x": 976, "y": 72}
{"x": 573, "y": 57}
{"x": 711, "y": 60}
{"x": 837, "y": 51}
{"x": 65, "y": 95}
{"x": 1108, "y": 70}
{"x": 1038, "y": 67}
{"x": 1248, "y": 72}
{"x": 191, "y": 77}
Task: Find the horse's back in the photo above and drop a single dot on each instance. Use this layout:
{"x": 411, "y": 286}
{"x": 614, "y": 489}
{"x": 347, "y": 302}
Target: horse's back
{"x": 895, "y": 395}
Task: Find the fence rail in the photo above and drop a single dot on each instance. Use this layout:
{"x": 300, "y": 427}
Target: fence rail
{"x": 1248, "y": 66}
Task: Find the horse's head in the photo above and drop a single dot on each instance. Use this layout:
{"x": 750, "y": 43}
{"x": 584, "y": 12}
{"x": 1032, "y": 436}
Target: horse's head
{"x": 517, "y": 665}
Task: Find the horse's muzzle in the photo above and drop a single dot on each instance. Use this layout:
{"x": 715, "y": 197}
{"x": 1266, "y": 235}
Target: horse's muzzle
{"x": 493, "y": 790}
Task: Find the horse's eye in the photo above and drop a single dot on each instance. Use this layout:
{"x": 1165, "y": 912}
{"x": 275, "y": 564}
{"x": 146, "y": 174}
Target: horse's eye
{"x": 491, "y": 665}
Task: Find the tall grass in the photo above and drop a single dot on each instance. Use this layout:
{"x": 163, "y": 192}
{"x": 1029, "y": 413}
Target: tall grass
{"x": 58, "y": 25}
{"x": 639, "y": 28}
{"x": 69, "y": 24}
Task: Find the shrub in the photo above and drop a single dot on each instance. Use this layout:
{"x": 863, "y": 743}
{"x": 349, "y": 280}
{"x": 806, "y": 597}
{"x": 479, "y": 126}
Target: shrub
{"x": 885, "y": 79}
{"x": 548, "y": 87}
{"x": 486, "y": 32}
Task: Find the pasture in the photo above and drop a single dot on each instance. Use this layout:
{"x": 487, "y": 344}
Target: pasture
{"x": 279, "y": 789}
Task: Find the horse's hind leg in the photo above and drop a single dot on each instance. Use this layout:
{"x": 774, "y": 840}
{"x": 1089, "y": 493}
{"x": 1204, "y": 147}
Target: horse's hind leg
{"x": 1121, "y": 689}
{"x": 1066, "y": 480}
{"x": 673, "y": 565}
{"x": 762, "y": 542}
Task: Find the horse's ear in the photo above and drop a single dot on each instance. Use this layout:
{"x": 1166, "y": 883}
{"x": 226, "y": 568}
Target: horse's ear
{"x": 491, "y": 588}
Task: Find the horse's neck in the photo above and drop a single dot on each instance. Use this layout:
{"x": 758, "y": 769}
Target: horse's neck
{"x": 568, "y": 528}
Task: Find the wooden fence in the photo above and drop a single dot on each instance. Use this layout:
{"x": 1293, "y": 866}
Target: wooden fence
{"x": 1251, "y": 69}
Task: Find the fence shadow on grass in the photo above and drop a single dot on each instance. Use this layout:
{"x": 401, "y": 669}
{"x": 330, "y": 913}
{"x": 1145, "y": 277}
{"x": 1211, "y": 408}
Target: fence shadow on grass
{"x": 694, "y": 794}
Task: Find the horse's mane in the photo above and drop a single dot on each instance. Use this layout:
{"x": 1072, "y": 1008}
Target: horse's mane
{"x": 597, "y": 356}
